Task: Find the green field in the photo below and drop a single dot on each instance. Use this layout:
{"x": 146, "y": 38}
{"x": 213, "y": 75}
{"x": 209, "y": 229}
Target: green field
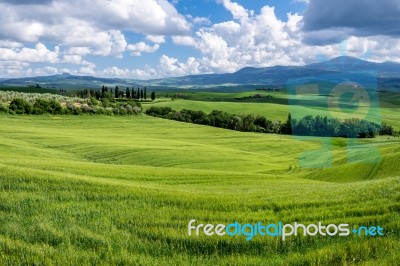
{"x": 275, "y": 108}
{"x": 87, "y": 190}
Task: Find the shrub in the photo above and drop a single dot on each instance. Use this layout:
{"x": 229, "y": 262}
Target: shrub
{"x": 108, "y": 111}
{"x": 20, "y": 106}
{"x": 129, "y": 109}
{"x": 55, "y": 107}
{"x": 115, "y": 111}
{"x": 93, "y": 101}
{"x": 122, "y": 110}
{"x": 100, "y": 110}
{"x": 106, "y": 103}
{"x": 41, "y": 106}
{"x": 3, "y": 108}
{"x": 136, "y": 110}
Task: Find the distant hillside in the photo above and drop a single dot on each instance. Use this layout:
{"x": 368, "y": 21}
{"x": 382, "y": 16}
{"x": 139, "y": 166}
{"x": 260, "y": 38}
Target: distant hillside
{"x": 66, "y": 81}
{"x": 387, "y": 72}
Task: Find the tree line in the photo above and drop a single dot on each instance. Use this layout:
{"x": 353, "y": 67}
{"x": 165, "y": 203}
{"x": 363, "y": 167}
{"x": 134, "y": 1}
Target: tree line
{"x": 117, "y": 93}
{"x": 307, "y": 126}
{"x": 42, "y": 106}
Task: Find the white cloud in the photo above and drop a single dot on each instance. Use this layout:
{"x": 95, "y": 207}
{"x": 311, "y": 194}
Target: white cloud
{"x": 85, "y": 28}
{"x": 237, "y": 10}
{"x": 199, "y": 20}
{"x": 48, "y": 70}
{"x": 151, "y": 17}
{"x": 262, "y": 40}
{"x": 79, "y": 51}
{"x": 72, "y": 59}
{"x": 87, "y": 70}
{"x": 170, "y": 66}
{"x": 12, "y": 68}
{"x": 76, "y": 33}
{"x": 138, "y": 48}
{"x": 146, "y": 73}
{"x": 184, "y": 40}
{"x": 33, "y": 55}
{"x": 10, "y": 44}
{"x": 116, "y": 72}
{"x": 156, "y": 38}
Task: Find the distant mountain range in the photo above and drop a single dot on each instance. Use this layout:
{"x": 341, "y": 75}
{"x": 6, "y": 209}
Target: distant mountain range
{"x": 387, "y": 73}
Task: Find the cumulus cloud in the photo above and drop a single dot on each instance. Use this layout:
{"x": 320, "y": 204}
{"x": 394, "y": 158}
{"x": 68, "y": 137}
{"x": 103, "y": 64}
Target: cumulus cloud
{"x": 138, "y": 48}
{"x": 152, "y": 17}
{"x": 238, "y": 11}
{"x": 170, "y": 66}
{"x": 44, "y": 71}
{"x": 156, "y": 38}
{"x": 116, "y": 72}
{"x": 247, "y": 40}
{"x": 184, "y": 40}
{"x": 88, "y": 68}
{"x": 250, "y": 38}
{"x": 261, "y": 39}
{"x": 146, "y": 73}
{"x": 9, "y": 44}
{"x": 39, "y": 54}
{"x": 13, "y": 68}
{"x": 142, "y": 74}
{"x": 98, "y": 25}
{"x": 72, "y": 59}
{"x": 332, "y": 21}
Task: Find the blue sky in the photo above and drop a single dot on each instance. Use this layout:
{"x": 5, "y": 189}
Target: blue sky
{"x": 159, "y": 38}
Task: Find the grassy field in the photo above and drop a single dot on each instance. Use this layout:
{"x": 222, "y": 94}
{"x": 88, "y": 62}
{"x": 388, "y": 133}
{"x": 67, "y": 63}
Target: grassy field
{"x": 277, "y": 108}
{"x": 121, "y": 190}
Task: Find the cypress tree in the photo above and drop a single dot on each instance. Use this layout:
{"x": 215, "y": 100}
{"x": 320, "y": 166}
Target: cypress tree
{"x": 116, "y": 92}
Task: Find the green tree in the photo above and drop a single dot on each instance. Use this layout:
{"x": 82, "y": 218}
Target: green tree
{"x": 145, "y": 93}
{"x": 153, "y": 96}
{"x": 141, "y": 95}
{"x": 386, "y": 130}
{"x": 128, "y": 93}
{"x": 286, "y": 128}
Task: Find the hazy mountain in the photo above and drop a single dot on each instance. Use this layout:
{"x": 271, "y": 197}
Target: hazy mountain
{"x": 347, "y": 63}
{"x": 66, "y": 81}
{"x": 267, "y": 76}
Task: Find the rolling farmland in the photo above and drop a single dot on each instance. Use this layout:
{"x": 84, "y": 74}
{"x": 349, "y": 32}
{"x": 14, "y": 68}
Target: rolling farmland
{"x": 121, "y": 190}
